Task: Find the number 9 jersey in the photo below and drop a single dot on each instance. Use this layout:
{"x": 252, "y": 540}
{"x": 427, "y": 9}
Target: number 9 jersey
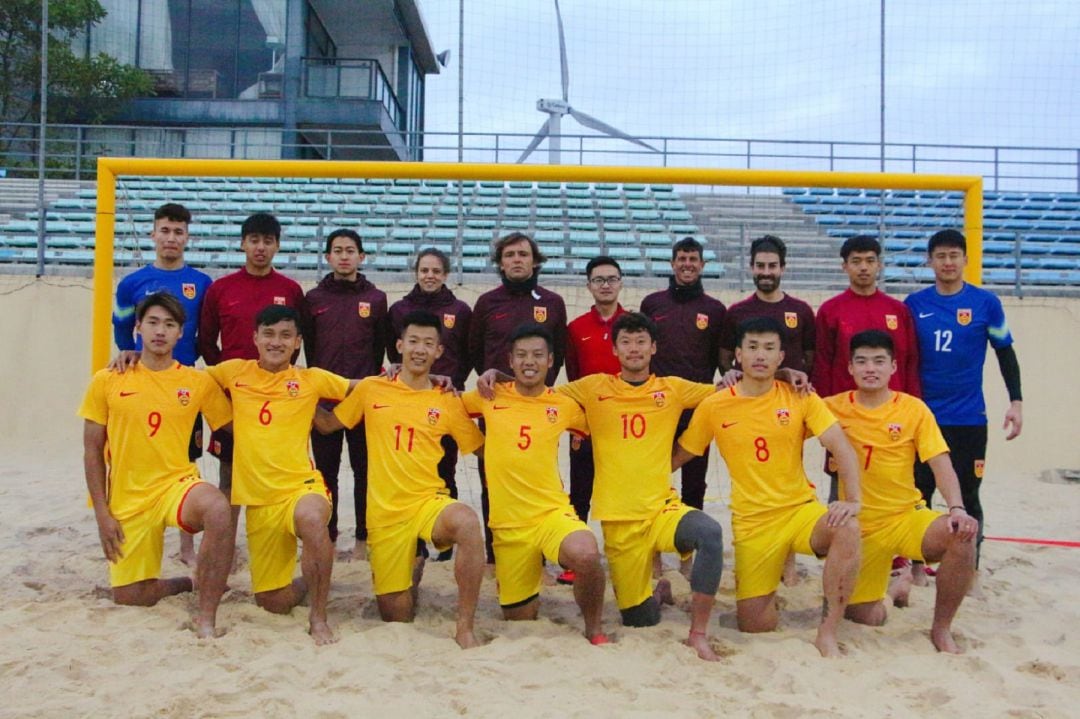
{"x": 953, "y": 331}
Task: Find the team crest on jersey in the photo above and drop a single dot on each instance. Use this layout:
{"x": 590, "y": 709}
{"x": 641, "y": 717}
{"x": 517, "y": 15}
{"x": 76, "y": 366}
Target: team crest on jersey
{"x": 279, "y": 300}
{"x": 188, "y": 288}
{"x": 292, "y": 387}
{"x": 540, "y": 314}
{"x": 791, "y": 319}
{"x": 831, "y": 464}
{"x": 894, "y": 432}
{"x": 660, "y": 398}
{"x": 980, "y": 467}
{"x": 433, "y": 415}
{"x": 553, "y": 414}
{"x": 575, "y": 442}
{"x": 448, "y": 321}
{"x": 183, "y": 396}
{"x": 891, "y": 322}
{"x": 963, "y": 316}
{"x": 783, "y": 416}
{"x": 364, "y": 309}
{"x": 702, "y": 321}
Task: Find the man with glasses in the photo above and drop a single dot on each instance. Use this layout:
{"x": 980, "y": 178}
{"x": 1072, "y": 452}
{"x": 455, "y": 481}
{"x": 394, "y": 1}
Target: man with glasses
{"x": 588, "y": 351}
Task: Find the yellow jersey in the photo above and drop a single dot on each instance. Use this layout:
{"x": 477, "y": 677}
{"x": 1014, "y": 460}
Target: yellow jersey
{"x": 521, "y": 451}
{"x": 886, "y": 440}
{"x": 148, "y": 416}
{"x": 761, "y": 441}
{"x": 633, "y": 433}
{"x": 272, "y": 414}
{"x": 404, "y": 428}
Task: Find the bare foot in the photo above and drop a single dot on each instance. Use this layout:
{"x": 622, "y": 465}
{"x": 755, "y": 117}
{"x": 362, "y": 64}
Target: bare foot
{"x": 918, "y": 575}
{"x": 359, "y": 551}
{"x": 944, "y": 642}
{"x": 663, "y": 594}
{"x": 466, "y": 639}
{"x": 827, "y": 645}
{"x": 900, "y": 586}
{"x": 790, "y": 577}
{"x": 686, "y": 567}
{"x": 657, "y": 566}
{"x": 187, "y": 549}
{"x": 699, "y": 642}
{"x": 322, "y": 634}
{"x": 205, "y": 629}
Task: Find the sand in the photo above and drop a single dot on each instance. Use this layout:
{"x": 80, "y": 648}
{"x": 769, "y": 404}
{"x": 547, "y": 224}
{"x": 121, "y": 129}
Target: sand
{"x": 67, "y": 650}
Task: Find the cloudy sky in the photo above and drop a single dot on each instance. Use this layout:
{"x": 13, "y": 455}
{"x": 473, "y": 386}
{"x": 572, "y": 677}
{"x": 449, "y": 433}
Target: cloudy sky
{"x": 972, "y": 72}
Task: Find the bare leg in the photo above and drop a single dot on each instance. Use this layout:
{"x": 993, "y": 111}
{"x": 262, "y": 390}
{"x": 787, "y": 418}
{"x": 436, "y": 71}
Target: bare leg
{"x": 870, "y": 613}
{"x": 151, "y": 591}
{"x": 918, "y": 575}
{"x": 701, "y": 606}
{"x": 206, "y": 509}
{"x": 757, "y": 614}
{"x": 579, "y": 553}
{"x": 841, "y": 544}
{"x": 662, "y": 593}
{"x": 900, "y": 583}
{"x": 282, "y": 601}
{"x": 459, "y": 525}
{"x": 790, "y": 577}
{"x": 953, "y": 580}
{"x": 523, "y": 613}
{"x": 316, "y": 562}
{"x": 187, "y": 548}
{"x": 396, "y": 606}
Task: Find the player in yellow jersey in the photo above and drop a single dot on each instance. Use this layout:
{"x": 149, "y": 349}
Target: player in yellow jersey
{"x": 531, "y": 516}
{"x": 405, "y": 419}
{"x": 135, "y": 451}
{"x": 759, "y": 426}
{"x": 887, "y": 428}
{"x": 273, "y": 475}
{"x": 632, "y": 419}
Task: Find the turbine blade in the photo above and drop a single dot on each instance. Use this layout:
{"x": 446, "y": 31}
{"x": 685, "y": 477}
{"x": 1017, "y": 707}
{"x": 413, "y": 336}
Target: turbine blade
{"x": 535, "y": 143}
{"x": 599, "y": 126}
{"x": 562, "y": 56}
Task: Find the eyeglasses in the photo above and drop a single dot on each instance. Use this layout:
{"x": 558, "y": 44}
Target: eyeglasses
{"x": 604, "y": 281}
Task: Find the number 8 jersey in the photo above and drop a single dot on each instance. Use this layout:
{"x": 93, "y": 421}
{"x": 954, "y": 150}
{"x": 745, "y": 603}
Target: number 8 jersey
{"x": 953, "y": 331}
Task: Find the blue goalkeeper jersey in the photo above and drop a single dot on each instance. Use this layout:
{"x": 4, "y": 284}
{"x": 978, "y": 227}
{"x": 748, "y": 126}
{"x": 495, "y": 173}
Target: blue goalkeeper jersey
{"x": 186, "y": 283}
{"x": 953, "y": 331}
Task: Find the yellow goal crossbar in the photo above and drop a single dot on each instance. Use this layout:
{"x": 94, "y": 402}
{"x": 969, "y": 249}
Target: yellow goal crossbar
{"x": 109, "y": 168}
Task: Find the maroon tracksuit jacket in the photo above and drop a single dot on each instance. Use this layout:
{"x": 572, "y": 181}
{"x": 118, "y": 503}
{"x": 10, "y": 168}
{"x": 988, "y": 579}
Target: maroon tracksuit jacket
{"x": 455, "y": 316}
{"x": 498, "y": 312}
{"x": 346, "y": 327}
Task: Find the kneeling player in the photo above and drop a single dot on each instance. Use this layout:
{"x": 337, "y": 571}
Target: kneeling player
{"x": 531, "y": 515}
{"x": 759, "y": 426}
{"x": 890, "y": 427}
{"x": 405, "y": 419}
{"x": 135, "y": 440}
{"x": 273, "y": 475}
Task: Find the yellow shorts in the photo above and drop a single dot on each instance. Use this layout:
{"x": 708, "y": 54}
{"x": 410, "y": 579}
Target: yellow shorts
{"x": 519, "y": 554}
{"x": 144, "y": 536}
{"x": 630, "y": 546}
{"x": 759, "y": 559}
{"x": 392, "y": 550}
{"x": 901, "y": 537}
{"x": 271, "y": 536}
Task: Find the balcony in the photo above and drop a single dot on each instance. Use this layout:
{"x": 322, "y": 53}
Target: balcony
{"x": 351, "y": 79}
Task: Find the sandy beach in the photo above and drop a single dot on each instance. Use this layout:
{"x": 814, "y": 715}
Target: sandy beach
{"x": 68, "y": 651}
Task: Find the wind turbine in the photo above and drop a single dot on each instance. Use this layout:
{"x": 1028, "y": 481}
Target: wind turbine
{"x": 555, "y": 109}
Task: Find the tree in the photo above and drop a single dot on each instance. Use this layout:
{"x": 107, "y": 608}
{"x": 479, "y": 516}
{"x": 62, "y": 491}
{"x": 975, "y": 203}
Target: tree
{"x": 81, "y": 88}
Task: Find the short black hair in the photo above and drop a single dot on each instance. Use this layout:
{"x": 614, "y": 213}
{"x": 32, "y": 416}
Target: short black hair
{"x": 687, "y": 244}
{"x": 421, "y": 318}
{"x": 165, "y": 301}
{"x": 601, "y": 261}
{"x": 769, "y": 243}
{"x": 174, "y": 212}
{"x": 874, "y": 339}
{"x": 272, "y": 314}
{"x": 946, "y": 238}
{"x": 532, "y": 329}
{"x": 860, "y": 243}
{"x": 261, "y": 223}
{"x": 351, "y": 234}
{"x": 433, "y": 252}
{"x": 632, "y": 322}
{"x": 758, "y": 326}
{"x": 513, "y": 238}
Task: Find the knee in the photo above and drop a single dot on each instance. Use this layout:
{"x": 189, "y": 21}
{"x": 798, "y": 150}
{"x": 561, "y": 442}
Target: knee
{"x": 217, "y": 516}
{"x": 646, "y": 614}
{"x": 756, "y": 625}
{"x": 872, "y": 614}
{"x": 132, "y": 597}
{"x": 849, "y": 533}
{"x": 581, "y": 554}
{"x": 272, "y": 603}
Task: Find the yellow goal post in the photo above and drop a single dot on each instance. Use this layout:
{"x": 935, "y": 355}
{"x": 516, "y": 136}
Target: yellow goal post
{"x": 110, "y": 168}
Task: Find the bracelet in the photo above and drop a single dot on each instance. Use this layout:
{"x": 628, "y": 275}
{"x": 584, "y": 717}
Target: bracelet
{"x": 956, "y": 506}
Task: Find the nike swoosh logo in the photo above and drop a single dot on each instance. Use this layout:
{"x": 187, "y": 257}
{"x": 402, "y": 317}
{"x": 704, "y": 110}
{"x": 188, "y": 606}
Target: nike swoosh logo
{"x": 924, "y": 316}
{"x": 495, "y": 406}
{"x": 379, "y": 406}
{"x": 725, "y": 425}
{"x": 659, "y": 317}
{"x": 127, "y": 394}
{"x": 586, "y": 339}
{"x": 500, "y": 315}
{"x": 240, "y": 384}
{"x": 601, "y": 398}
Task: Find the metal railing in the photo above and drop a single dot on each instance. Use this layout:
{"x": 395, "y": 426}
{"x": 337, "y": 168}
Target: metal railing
{"x": 353, "y": 78}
